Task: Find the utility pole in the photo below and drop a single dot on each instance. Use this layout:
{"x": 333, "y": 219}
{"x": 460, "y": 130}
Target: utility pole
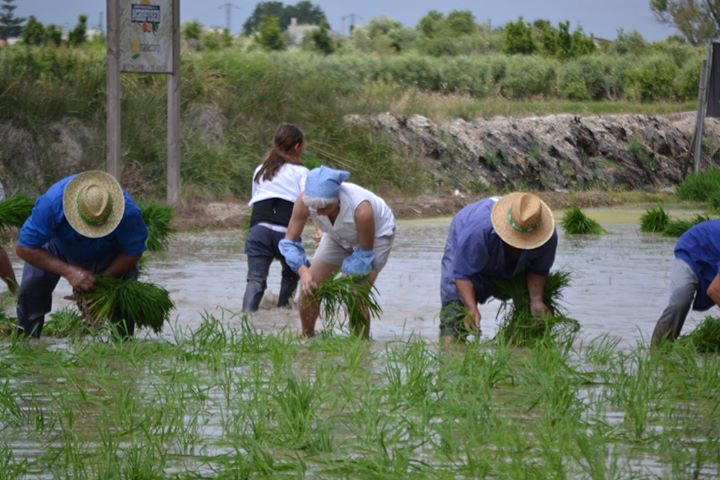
{"x": 352, "y": 17}
{"x": 228, "y": 14}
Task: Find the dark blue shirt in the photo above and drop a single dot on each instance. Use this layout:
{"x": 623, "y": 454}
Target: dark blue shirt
{"x": 699, "y": 247}
{"x": 47, "y": 223}
{"x": 474, "y": 252}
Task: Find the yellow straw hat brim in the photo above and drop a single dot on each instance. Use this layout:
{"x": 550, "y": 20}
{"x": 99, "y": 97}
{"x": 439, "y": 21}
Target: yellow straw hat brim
{"x": 515, "y": 238}
{"x": 70, "y": 196}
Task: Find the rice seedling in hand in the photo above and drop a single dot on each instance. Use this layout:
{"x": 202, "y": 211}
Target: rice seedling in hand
{"x": 706, "y": 337}
{"x": 352, "y": 296}
{"x": 15, "y": 210}
{"x": 575, "y": 222}
{"x": 654, "y": 220}
{"x": 675, "y": 228}
{"x": 116, "y": 299}
{"x": 519, "y": 326}
{"x": 157, "y": 218}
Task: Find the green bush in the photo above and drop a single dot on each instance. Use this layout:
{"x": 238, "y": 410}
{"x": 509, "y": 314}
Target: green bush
{"x": 653, "y": 79}
{"x": 529, "y": 77}
{"x": 700, "y": 186}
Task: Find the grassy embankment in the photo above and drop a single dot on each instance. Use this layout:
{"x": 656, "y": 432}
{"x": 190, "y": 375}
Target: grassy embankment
{"x": 232, "y": 101}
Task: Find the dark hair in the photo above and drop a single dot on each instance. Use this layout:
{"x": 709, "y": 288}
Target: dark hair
{"x": 285, "y": 138}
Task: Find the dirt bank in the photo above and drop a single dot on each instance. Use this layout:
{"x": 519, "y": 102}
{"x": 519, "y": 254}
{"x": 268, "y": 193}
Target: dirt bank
{"x": 232, "y": 215}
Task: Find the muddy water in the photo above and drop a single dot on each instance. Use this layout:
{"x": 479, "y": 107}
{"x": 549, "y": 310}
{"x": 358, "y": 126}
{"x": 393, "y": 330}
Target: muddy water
{"x": 619, "y": 282}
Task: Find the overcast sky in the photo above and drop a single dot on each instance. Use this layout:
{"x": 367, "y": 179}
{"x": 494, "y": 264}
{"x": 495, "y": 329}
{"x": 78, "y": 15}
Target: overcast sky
{"x": 602, "y": 18}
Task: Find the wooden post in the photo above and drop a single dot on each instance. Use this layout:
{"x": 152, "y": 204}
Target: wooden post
{"x": 173, "y": 112}
{"x": 112, "y": 122}
{"x": 702, "y": 106}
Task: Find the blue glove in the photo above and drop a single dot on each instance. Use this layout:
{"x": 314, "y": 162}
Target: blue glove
{"x": 359, "y": 263}
{"x": 294, "y": 253}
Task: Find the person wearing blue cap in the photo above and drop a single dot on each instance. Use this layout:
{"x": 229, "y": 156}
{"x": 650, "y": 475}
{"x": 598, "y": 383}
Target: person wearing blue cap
{"x": 358, "y": 232}
{"x": 694, "y": 279}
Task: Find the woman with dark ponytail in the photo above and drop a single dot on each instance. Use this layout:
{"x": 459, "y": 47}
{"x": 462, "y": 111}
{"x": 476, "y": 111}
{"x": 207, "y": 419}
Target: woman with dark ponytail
{"x": 277, "y": 182}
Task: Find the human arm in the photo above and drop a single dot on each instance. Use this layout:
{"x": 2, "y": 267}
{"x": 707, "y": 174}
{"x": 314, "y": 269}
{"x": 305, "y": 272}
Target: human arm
{"x": 6, "y": 271}
{"x": 536, "y": 289}
{"x": 292, "y": 248}
{"x": 466, "y": 293}
{"x": 121, "y": 265}
{"x": 713, "y": 290}
{"x": 78, "y": 277}
{"x": 360, "y": 262}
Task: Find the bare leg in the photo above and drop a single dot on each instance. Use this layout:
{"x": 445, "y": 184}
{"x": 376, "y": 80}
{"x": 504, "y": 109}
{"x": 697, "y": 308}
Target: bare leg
{"x": 7, "y": 273}
{"x": 309, "y": 308}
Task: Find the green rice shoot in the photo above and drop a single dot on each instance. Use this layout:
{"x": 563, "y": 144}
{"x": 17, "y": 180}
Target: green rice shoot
{"x": 575, "y": 222}
{"x": 675, "y": 228}
{"x": 67, "y": 322}
{"x": 519, "y": 326}
{"x": 706, "y": 337}
{"x": 115, "y": 299}
{"x": 157, "y": 218}
{"x": 343, "y": 299}
{"x": 654, "y": 220}
{"x": 14, "y": 211}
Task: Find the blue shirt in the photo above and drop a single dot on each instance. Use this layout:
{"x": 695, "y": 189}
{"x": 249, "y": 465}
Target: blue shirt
{"x": 47, "y": 224}
{"x": 474, "y": 252}
{"x": 699, "y": 247}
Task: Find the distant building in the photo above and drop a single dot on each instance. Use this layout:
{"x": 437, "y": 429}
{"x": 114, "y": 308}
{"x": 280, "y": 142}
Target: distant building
{"x": 297, "y": 31}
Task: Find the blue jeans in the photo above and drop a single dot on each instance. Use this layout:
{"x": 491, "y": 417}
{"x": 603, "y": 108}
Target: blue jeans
{"x": 36, "y": 289}
{"x": 261, "y": 247}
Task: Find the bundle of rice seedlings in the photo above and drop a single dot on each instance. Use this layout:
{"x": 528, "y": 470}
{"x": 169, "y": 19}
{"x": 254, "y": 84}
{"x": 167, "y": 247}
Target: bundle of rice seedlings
{"x": 654, "y": 220}
{"x": 575, "y": 222}
{"x": 675, "y": 228}
{"x": 66, "y": 322}
{"x": 14, "y": 211}
{"x": 117, "y": 299}
{"x": 706, "y": 337}
{"x": 519, "y": 326}
{"x": 157, "y": 218}
{"x": 346, "y": 297}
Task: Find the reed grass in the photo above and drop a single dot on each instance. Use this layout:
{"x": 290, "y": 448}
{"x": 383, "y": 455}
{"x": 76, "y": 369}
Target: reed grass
{"x": 654, "y": 220}
{"x": 346, "y": 299}
{"x": 15, "y": 210}
{"x": 157, "y": 218}
{"x": 575, "y": 222}
{"x": 115, "y": 299}
{"x": 518, "y": 325}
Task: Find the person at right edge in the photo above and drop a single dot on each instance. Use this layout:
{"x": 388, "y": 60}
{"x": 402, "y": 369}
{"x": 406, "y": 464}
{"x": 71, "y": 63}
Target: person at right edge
{"x": 489, "y": 239}
{"x": 694, "y": 279}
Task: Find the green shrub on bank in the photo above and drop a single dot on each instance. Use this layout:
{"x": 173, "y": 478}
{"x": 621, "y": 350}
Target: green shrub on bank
{"x": 700, "y": 186}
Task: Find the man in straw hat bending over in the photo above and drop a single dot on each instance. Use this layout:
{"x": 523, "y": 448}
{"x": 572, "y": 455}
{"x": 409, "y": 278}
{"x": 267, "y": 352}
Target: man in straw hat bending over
{"x": 83, "y": 225}
{"x": 489, "y": 239}
{"x": 358, "y": 227}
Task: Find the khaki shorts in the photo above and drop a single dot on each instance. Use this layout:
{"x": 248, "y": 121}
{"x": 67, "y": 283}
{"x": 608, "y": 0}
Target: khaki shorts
{"x": 330, "y": 251}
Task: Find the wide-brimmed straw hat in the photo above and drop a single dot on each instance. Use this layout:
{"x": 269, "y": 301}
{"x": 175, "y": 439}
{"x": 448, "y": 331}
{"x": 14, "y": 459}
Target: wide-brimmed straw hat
{"x": 93, "y": 203}
{"x": 522, "y": 220}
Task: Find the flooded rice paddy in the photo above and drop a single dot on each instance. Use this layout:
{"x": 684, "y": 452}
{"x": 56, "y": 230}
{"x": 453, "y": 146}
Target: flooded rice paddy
{"x": 619, "y": 281}
{"x": 222, "y": 396}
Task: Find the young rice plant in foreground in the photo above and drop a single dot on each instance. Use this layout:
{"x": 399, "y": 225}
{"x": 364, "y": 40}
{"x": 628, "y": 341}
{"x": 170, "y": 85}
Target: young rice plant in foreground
{"x": 519, "y": 326}
{"x": 354, "y": 296}
{"x": 575, "y": 222}
{"x": 116, "y": 299}
{"x": 706, "y": 337}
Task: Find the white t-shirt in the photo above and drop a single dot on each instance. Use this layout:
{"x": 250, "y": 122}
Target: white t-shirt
{"x": 344, "y": 230}
{"x": 287, "y": 184}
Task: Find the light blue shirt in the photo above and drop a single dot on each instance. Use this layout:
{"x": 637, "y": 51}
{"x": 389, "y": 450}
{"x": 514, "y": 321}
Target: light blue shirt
{"x": 475, "y": 252}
